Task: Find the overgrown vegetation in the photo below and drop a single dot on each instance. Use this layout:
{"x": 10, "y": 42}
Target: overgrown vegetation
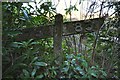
{"x": 33, "y": 59}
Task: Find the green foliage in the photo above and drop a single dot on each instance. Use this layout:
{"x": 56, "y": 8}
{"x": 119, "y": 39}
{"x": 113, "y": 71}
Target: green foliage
{"x": 70, "y": 9}
{"x": 34, "y": 58}
{"x": 76, "y": 66}
{"x": 19, "y": 58}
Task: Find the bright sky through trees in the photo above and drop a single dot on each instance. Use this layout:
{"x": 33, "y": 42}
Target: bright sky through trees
{"x": 81, "y": 5}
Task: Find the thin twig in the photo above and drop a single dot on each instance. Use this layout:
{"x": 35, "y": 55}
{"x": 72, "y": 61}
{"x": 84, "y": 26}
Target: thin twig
{"x": 75, "y": 44}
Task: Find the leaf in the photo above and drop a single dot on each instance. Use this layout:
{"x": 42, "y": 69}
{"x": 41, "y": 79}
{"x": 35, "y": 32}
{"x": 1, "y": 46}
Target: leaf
{"x": 103, "y": 73}
{"x": 84, "y": 64}
{"x": 23, "y": 65}
{"x": 30, "y": 6}
{"x": 80, "y": 70}
{"x": 76, "y": 76}
{"x": 20, "y": 59}
{"x": 69, "y": 56}
{"x": 35, "y": 58}
{"x": 40, "y": 64}
{"x": 16, "y": 44}
{"x": 55, "y": 72}
{"x": 13, "y": 33}
{"x": 33, "y": 72}
{"x": 93, "y": 67}
{"x": 33, "y": 43}
{"x": 73, "y": 61}
{"x": 66, "y": 62}
{"x": 25, "y": 14}
{"x": 82, "y": 73}
{"x": 40, "y": 76}
{"x": 93, "y": 74}
{"x": 26, "y": 73}
{"x": 65, "y": 69}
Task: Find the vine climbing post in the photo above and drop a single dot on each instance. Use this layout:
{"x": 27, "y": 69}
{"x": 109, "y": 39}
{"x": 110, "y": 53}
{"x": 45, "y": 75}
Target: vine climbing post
{"x": 57, "y": 37}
